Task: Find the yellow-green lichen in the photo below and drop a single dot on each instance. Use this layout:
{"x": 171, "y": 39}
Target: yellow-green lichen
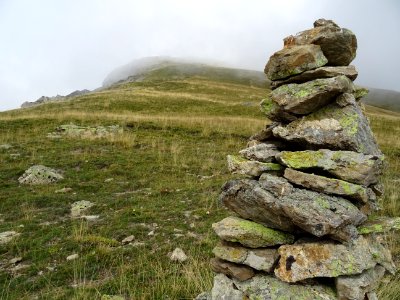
{"x": 301, "y": 159}
{"x": 322, "y": 202}
{"x": 349, "y": 123}
{"x": 269, "y": 107}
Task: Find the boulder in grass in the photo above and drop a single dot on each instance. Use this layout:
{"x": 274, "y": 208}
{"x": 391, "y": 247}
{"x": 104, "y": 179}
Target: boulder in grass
{"x": 39, "y": 174}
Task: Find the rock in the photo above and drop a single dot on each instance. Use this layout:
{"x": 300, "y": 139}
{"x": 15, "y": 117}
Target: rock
{"x": 128, "y": 239}
{"x": 345, "y": 99}
{"x": 178, "y": 255}
{"x": 357, "y": 286}
{"x": 264, "y": 134}
{"x": 15, "y": 260}
{"x": 250, "y": 234}
{"x": 250, "y": 201}
{"x": 329, "y": 259}
{"x": 278, "y": 186}
{"x": 294, "y": 60}
{"x": 323, "y": 72}
{"x": 204, "y": 296}
{"x": 262, "y": 259}
{"x": 240, "y": 272}
{"x": 39, "y": 174}
{"x": 112, "y": 297}
{"x": 316, "y": 213}
{"x": 304, "y": 98}
{"x": 243, "y": 166}
{"x": 7, "y": 236}
{"x": 63, "y": 190}
{"x": 360, "y": 92}
{"x": 346, "y": 165}
{"x": 263, "y": 152}
{"x": 339, "y": 45}
{"x": 379, "y": 225}
{"x": 274, "y": 112}
{"x": 73, "y": 130}
{"x": 90, "y": 218}
{"x": 331, "y": 186}
{"x": 372, "y": 296}
{"x": 73, "y": 256}
{"x": 224, "y": 289}
{"x": 77, "y": 208}
{"x": 270, "y": 288}
{"x": 332, "y": 127}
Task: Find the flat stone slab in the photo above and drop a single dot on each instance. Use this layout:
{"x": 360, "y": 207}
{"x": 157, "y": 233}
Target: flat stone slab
{"x": 329, "y": 259}
{"x": 379, "y": 225}
{"x": 350, "y": 166}
{"x": 339, "y": 45}
{"x": 294, "y": 60}
{"x": 239, "y": 165}
{"x": 39, "y": 174}
{"x": 330, "y": 186}
{"x": 313, "y": 212}
{"x": 304, "y": 98}
{"x": 263, "y": 152}
{"x": 276, "y": 113}
{"x": 358, "y": 286}
{"x": 332, "y": 127}
{"x": 7, "y": 236}
{"x": 73, "y": 130}
{"x": 323, "y": 72}
{"x": 262, "y": 259}
{"x": 239, "y": 272}
{"x": 250, "y": 234}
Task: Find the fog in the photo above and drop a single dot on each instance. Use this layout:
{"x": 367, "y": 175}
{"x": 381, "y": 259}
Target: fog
{"x": 52, "y": 47}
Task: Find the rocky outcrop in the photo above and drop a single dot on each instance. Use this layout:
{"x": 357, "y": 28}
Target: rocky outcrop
{"x": 39, "y": 174}
{"x": 45, "y": 99}
{"x": 301, "y": 229}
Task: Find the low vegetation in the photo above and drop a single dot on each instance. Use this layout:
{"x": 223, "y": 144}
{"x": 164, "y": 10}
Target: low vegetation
{"x": 158, "y": 180}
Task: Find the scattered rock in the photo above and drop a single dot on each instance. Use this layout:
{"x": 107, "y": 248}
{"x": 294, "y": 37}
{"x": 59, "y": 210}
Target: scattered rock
{"x": 357, "y": 286}
{"x": 178, "y": 255}
{"x": 7, "y": 236}
{"x": 77, "y": 208}
{"x": 15, "y": 260}
{"x": 240, "y": 272}
{"x": 64, "y": 190}
{"x": 90, "y": 218}
{"x": 73, "y": 130}
{"x": 128, "y": 239}
{"x": 294, "y": 60}
{"x": 72, "y": 256}
{"x": 243, "y": 166}
{"x": 250, "y": 234}
{"x": 39, "y": 174}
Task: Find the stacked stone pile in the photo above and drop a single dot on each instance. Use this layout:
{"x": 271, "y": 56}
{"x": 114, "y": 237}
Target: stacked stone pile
{"x": 300, "y": 229}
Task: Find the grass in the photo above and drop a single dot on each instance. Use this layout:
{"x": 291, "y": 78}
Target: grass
{"x": 159, "y": 180}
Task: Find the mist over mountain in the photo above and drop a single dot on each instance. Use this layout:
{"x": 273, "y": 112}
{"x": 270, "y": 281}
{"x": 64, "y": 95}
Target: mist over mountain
{"x": 386, "y": 99}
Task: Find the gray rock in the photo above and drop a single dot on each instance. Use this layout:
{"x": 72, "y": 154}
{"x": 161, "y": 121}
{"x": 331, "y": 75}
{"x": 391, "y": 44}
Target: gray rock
{"x": 73, "y": 130}
{"x": 72, "y": 257}
{"x": 7, "y": 236}
{"x": 270, "y": 288}
{"x": 316, "y": 213}
{"x": 278, "y": 186}
{"x": 262, "y": 259}
{"x": 204, "y": 296}
{"x": 276, "y": 113}
{"x": 331, "y": 186}
{"x": 294, "y": 60}
{"x": 346, "y": 165}
{"x": 323, "y": 72}
{"x": 379, "y": 225}
{"x": 357, "y": 286}
{"x": 224, "y": 289}
{"x": 339, "y": 45}
{"x": 39, "y": 174}
{"x": 263, "y": 152}
{"x": 304, "y": 98}
{"x": 250, "y": 234}
{"x": 265, "y": 133}
{"x": 329, "y": 259}
{"x": 178, "y": 255}
{"x": 239, "y": 272}
{"x": 79, "y": 207}
{"x": 332, "y": 127}
{"x": 239, "y": 165}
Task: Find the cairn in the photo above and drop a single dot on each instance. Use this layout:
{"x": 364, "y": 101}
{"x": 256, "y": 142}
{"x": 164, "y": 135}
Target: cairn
{"x": 300, "y": 229}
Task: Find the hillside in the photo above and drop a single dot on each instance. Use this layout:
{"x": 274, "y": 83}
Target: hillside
{"x": 158, "y": 180}
{"x": 386, "y": 99}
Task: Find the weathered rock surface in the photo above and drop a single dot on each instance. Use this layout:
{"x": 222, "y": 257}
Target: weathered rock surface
{"x": 339, "y": 45}
{"x": 178, "y": 255}
{"x": 7, "y": 236}
{"x": 304, "y": 98}
{"x": 264, "y": 134}
{"x": 39, "y": 174}
{"x": 276, "y": 113}
{"x": 346, "y": 165}
{"x": 316, "y": 213}
{"x": 224, "y": 289}
{"x": 270, "y": 288}
{"x": 79, "y": 207}
{"x": 263, "y": 152}
{"x": 73, "y": 130}
{"x": 240, "y": 272}
{"x": 330, "y": 185}
{"x": 250, "y": 234}
{"x": 379, "y": 225}
{"x": 332, "y": 127}
{"x": 328, "y": 259}
{"x": 262, "y": 259}
{"x": 357, "y": 286}
{"x": 323, "y": 72}
{"x": 294, "y": 60}
{"x": 239, "y": 165}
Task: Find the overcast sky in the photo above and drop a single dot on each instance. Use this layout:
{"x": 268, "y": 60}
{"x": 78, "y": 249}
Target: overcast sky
{"x": 50, "y": 47}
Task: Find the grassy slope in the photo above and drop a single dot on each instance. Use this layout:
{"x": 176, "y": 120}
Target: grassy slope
{"x": 170, "y": 162}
